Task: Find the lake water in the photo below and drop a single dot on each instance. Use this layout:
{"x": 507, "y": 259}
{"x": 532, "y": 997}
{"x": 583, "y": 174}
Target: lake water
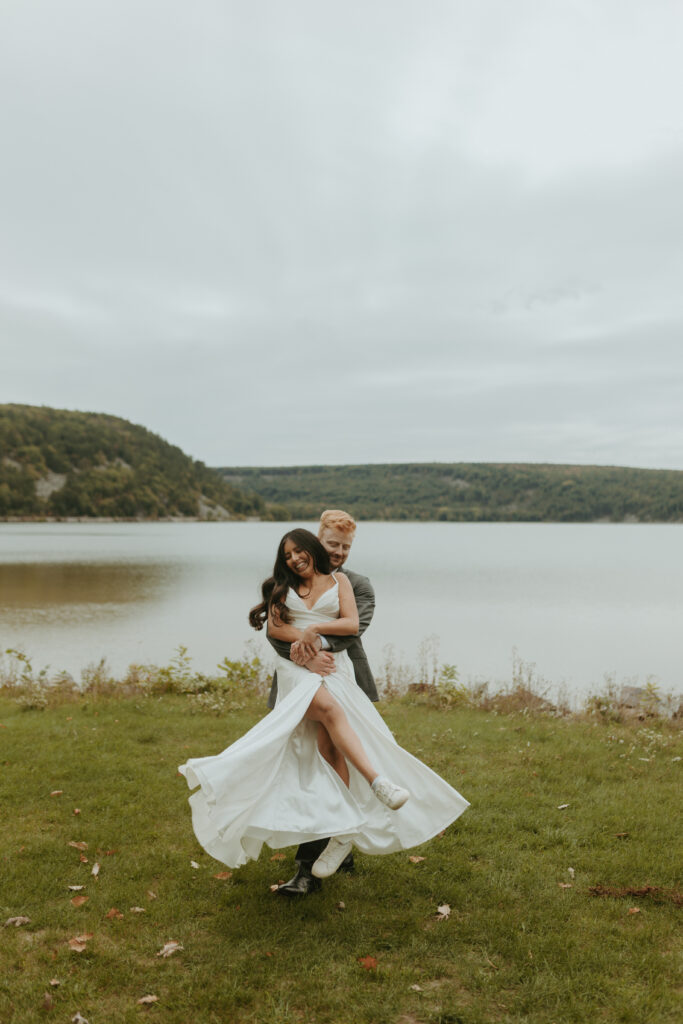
{"x": 577, "y": 601}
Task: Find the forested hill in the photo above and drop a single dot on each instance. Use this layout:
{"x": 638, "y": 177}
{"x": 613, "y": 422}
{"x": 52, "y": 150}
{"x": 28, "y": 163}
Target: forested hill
{"x": 59, "y": 463}
{"x": 469, "y": 491}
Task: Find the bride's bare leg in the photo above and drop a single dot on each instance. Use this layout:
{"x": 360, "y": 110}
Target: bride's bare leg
{"x": 325, "y": 709}
{"x": 332, "y": 754}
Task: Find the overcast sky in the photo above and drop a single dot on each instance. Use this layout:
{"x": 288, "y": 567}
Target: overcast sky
{"x": 307, "y": 231}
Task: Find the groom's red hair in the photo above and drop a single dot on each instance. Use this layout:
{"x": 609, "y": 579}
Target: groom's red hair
{"x": 335, "y": 519}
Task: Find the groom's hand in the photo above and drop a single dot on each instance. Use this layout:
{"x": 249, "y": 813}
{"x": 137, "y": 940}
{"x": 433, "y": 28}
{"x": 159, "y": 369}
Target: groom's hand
{"x": 300, "y": 653}
{"x": 322, "y": 664}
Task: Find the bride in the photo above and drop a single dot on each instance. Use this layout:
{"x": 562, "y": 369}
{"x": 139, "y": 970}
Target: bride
{"x": 284, "y": 782}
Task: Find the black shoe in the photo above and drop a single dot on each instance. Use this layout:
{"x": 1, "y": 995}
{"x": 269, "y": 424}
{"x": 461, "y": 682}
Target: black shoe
{"x": 347, "y": 865}
{"x": 302, "y": 883}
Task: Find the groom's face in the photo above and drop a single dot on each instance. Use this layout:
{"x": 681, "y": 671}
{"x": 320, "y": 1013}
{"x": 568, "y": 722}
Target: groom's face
{"x": 337, "y": 544}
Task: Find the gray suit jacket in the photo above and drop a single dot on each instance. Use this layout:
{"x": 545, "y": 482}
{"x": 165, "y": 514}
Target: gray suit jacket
{"x": 365, "y": 602}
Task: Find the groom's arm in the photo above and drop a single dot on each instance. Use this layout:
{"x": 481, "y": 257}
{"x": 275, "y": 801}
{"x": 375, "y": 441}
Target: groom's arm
{"x": 322, "y": 663}
{"x": 280, "y": 647}
{"x": 365, "y": 602}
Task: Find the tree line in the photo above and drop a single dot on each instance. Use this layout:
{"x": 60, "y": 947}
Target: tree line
{"x": 60, "y": 463}
{"x": 460, "y": 492}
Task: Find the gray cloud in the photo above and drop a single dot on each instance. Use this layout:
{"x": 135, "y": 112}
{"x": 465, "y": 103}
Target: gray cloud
{"x": 304, "y": 233}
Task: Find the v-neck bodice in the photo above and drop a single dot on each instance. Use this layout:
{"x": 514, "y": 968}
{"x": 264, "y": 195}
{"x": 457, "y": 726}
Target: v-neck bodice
{"x": 325, "y": 609}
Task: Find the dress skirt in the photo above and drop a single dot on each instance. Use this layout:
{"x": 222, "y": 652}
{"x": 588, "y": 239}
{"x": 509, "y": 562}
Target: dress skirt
{"x": 273, "y": 786}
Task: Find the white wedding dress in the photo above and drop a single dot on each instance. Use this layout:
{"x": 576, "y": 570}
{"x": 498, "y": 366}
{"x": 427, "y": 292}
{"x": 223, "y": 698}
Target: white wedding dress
{"x": 273, "y": 786}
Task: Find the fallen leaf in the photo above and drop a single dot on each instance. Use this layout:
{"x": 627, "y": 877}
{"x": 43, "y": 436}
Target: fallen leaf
{"x": 278, "y": 856}
{"x": 194, "y": 864}
{"x": 148, "y": 999}
{"x": 368, "y": 963}
{"x": 621, "y": 835}
{"x": 83, "y": 859}
{"x": 440, "y": 835}
{"x": 565, "y": 885}
{"x": 48, "y": 1001}
{"x": 341, "y": 905}
{"x": 55, "y": 982}
{"x": 223, "y": 875}
{"x": 169, "y": 948}
{"x": 56, "y": 792}
{"x": 77, "y": 1019}
{"x": 16, "y": 921}
{"x": 77, "y": 810}
{"x": 138, "y": 910}
{"x": 443, "y": 912}
{"x": 415, "y": 860}
{"x": 95, "y": 870}
{"x": 634, "y": 910}
{"x": 78, "y": 901}
{"x": 109, "y": 853}
{"x": 114, "y": 913}
{"x": 76, "y": 888}
{"x": 416, "y": 988}
{"x": 151, "y": 895}
{"x": 274, "y": 888}
{"x": 562, "y": 807}
{"x": 78, "y": 943}
{"x": 78, "y": 846}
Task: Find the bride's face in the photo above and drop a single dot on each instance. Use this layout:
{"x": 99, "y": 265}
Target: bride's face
{"x": 298, "y": 560}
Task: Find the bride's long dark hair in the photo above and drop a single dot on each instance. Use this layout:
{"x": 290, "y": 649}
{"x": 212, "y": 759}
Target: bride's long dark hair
{"x": 274, "y": 589}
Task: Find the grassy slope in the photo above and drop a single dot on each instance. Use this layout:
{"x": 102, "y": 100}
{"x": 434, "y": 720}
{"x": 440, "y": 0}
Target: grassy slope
{"x": 517, "y": 947}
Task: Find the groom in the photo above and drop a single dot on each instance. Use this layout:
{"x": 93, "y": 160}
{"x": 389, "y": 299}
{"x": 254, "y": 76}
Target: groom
{"x": 336, "y": 532}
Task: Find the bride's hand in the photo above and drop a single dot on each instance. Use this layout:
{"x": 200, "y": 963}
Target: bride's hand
{"x": 297, "y": 654}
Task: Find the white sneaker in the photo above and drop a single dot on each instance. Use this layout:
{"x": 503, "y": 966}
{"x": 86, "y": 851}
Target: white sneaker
{"x": 391, "y": 795}
{"x": 329, "y": 860}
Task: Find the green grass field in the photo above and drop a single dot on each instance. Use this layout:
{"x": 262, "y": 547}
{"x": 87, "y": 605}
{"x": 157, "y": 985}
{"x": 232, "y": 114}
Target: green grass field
{"x": 525, "y": 940}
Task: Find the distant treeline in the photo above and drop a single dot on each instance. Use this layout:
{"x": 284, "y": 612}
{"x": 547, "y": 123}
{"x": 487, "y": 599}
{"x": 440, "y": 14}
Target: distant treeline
{"x": 59, "y": 463}
{"x": 458, "y": 492}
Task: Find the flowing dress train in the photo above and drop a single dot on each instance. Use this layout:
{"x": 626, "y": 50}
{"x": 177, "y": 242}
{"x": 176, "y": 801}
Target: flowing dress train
{"x": 273, "y": 786}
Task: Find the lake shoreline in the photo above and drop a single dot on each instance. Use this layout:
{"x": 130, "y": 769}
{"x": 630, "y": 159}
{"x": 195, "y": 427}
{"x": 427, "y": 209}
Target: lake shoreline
{"x": 134, "y": 520}
{"x": 222, "y": 692}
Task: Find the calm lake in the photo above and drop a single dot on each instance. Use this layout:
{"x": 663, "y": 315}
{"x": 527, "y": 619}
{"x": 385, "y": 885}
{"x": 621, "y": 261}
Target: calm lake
{"x": 577, "y": 601}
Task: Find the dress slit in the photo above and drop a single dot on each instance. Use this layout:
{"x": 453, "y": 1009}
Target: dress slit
{"x": 273, "y": 784}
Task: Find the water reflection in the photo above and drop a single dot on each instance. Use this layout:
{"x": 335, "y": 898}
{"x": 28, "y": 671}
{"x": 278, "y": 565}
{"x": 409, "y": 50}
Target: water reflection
{"x": 55, "y": 587}
{"x": 577, "y": 600}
